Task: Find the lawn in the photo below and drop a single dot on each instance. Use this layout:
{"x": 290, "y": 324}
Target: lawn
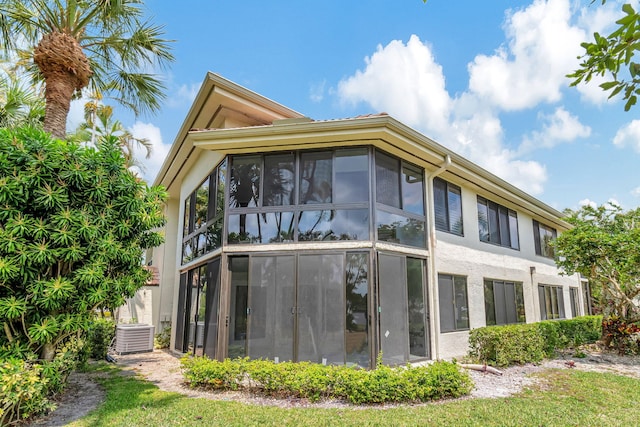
{"x": 567, "y": 398}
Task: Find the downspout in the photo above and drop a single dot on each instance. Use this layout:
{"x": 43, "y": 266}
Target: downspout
{"x": 431, "y": 223}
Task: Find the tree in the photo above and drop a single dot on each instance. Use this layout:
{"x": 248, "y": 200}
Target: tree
{"x": 103, "y": 44}
{"x": 614, "y": 54}
{"x": 74, "y": 222}
{"x": 19, "y": 104}
{"x": 604, "y": 246}
{"x": 99, "y": 123}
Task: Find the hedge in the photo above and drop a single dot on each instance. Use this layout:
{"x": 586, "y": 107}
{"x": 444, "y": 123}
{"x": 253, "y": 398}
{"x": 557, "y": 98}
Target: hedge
{"x": 531, "y": 342}
{"x": 313, "y": 381}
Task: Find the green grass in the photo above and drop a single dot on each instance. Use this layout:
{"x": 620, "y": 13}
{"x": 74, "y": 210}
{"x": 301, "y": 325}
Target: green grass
{"x": 568, "y": 398}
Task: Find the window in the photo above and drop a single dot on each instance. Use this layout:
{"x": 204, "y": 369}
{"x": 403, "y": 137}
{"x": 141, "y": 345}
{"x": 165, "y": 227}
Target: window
{"x": 203, "y": 216}
{"x": 573, "y": 294}
{"x": 551, "y": 302}
{"x": 497, "y": 224}
{"x": 447, "y": 201}
{"x": 399, "y": 201}
{"x": 542, "y": 236}
{"x": 503, "y": 302}
{"x": 587, "y": 299}
{"x": 454, "y": 307}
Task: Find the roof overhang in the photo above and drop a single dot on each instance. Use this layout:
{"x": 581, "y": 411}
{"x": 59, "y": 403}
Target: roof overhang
{"x": 384, "y": 132}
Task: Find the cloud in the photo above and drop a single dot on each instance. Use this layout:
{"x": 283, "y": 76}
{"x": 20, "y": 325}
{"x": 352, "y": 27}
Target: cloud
{"x": 628, "y": 136}
{"x": 587, "y": 202}
{"x": 635, "y": 192}
{"x": 159, "y": 151}
{"x": 415, "y": 93}
{"x": 183, "y": 95}
{"x": 404, "y": 80}
{"x": 316, "y": 91}
{"x": 531, "y": 68}
{"x": 559, "y": 127}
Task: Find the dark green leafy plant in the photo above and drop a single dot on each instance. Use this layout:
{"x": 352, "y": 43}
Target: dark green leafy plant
{"x": 73, "y": 226}
{"x": 313, "y": 381}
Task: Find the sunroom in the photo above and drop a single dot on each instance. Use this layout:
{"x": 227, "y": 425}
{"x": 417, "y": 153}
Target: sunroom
{"x": 306, "y": 254}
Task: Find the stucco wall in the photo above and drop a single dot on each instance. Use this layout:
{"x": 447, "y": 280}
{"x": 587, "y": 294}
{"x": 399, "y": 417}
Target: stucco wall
{"x": 468, "y": 256}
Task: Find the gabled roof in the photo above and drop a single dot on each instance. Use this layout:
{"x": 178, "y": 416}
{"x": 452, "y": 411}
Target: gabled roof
{"x": 218, "y": 103}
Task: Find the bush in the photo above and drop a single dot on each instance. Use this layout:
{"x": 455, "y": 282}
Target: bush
{"x": 99, "y": 336}
{"x": 314, "y": 381}
{"x": 23, "y": 392}
{"x": 530, "y": 343}
{"x": 162, "y": 339}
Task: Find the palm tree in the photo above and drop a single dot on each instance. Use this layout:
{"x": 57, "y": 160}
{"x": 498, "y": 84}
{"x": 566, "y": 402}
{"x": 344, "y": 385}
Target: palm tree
{"x": 99, "y": 124}
{"x": 19, "y": 103}
{"x": 104, "y": 45}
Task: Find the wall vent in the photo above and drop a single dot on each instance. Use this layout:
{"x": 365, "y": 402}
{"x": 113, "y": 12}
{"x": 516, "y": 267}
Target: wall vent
{"x": 134, "y": 338}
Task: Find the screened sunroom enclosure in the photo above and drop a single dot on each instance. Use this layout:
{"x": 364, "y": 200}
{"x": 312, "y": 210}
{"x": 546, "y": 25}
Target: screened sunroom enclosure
{"x": 307, "y": 256}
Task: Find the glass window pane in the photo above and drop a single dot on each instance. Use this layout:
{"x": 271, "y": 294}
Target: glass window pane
{"x": 461, "y": 306}
{"x": 214, "y": 235}
{"x": 440, "y": 204}
{"x": 271, "y": 299}
{"x": 394, "y": 335}
{"x": 416, "y": 309}
{"x": 513, "y": 230}
{"x": 239, "y": 269}
{"x": 387, "y": 180}
{"x": 489, "y": 303}
{"x": 244, "y": 188}
{"x": 316, "y": 178}
{"x": 503, "y": 219}
{"x": 445, "y": 297}
{"x": 483, "y": 220}
{"x": 510, "y": 302}
{"x": 188, "y": 251}
{"x": 520, "y": 303}
{"x": 279, "y": 180}
{"x": 212, "y": 303}
{"x": 398, "y": 229}
{"x": 244, "y": 228}
{"x": 494, "y": 223}
{"x": 412, "y": 190}
{"x": 455, "y": 211}
{"x": 356, "y": 329}
{"x": 272, "y": 227}
{"x": 222, "y": 179}
{"x": 187, "y": 215}
{"x": 351, "y": 224}
{"x": 321, "y": 309}
{"x": 499, "y": 303}
{"x": 352, "y": 176}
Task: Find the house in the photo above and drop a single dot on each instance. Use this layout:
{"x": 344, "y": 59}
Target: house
{"x": 331, "y": 241}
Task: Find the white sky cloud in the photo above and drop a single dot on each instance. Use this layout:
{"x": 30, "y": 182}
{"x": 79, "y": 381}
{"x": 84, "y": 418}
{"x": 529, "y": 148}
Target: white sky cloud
{"x": 317, "y": 90}
{"x": 542, "y": 48}
{"x": 636, "y": 192}
{"x": 559, "y": 127}
{"x": 404, "y": 80}
{"x": 628, "y": 136}
{"x": 587, "y": 202}
{"x": 159, "y": 152}
{"x": 183, "y": 95}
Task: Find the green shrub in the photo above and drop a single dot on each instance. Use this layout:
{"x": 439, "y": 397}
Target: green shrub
{"x": 530, "y": 343}
{"x": 314, "y": 381}
{"x": 23, "y": 392}
{"x": 101, "y": 332}
{"x": 507, "y": 345}
{"x": 162, "y": 339}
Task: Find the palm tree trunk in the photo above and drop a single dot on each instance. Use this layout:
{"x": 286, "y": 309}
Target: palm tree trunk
{"x": 65, "y": 69}
{"x": 58, "y": 92}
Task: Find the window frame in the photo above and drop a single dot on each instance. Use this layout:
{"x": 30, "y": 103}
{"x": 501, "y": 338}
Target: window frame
{"x": 504, "y": 219}
{"x": 455, "y": 312}
{"x": 542, "y": 248}
{"x": 448, "y": 189}
{"x": 559, "y": 312}
{"x": 518, "y": 292}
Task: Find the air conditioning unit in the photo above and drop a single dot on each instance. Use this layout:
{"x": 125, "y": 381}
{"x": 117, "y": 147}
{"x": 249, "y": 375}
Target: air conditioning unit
{"x": 134, "y": 338}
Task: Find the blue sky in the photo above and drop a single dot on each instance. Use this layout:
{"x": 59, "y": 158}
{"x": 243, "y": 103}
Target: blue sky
{"x": 485, "y": 79}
